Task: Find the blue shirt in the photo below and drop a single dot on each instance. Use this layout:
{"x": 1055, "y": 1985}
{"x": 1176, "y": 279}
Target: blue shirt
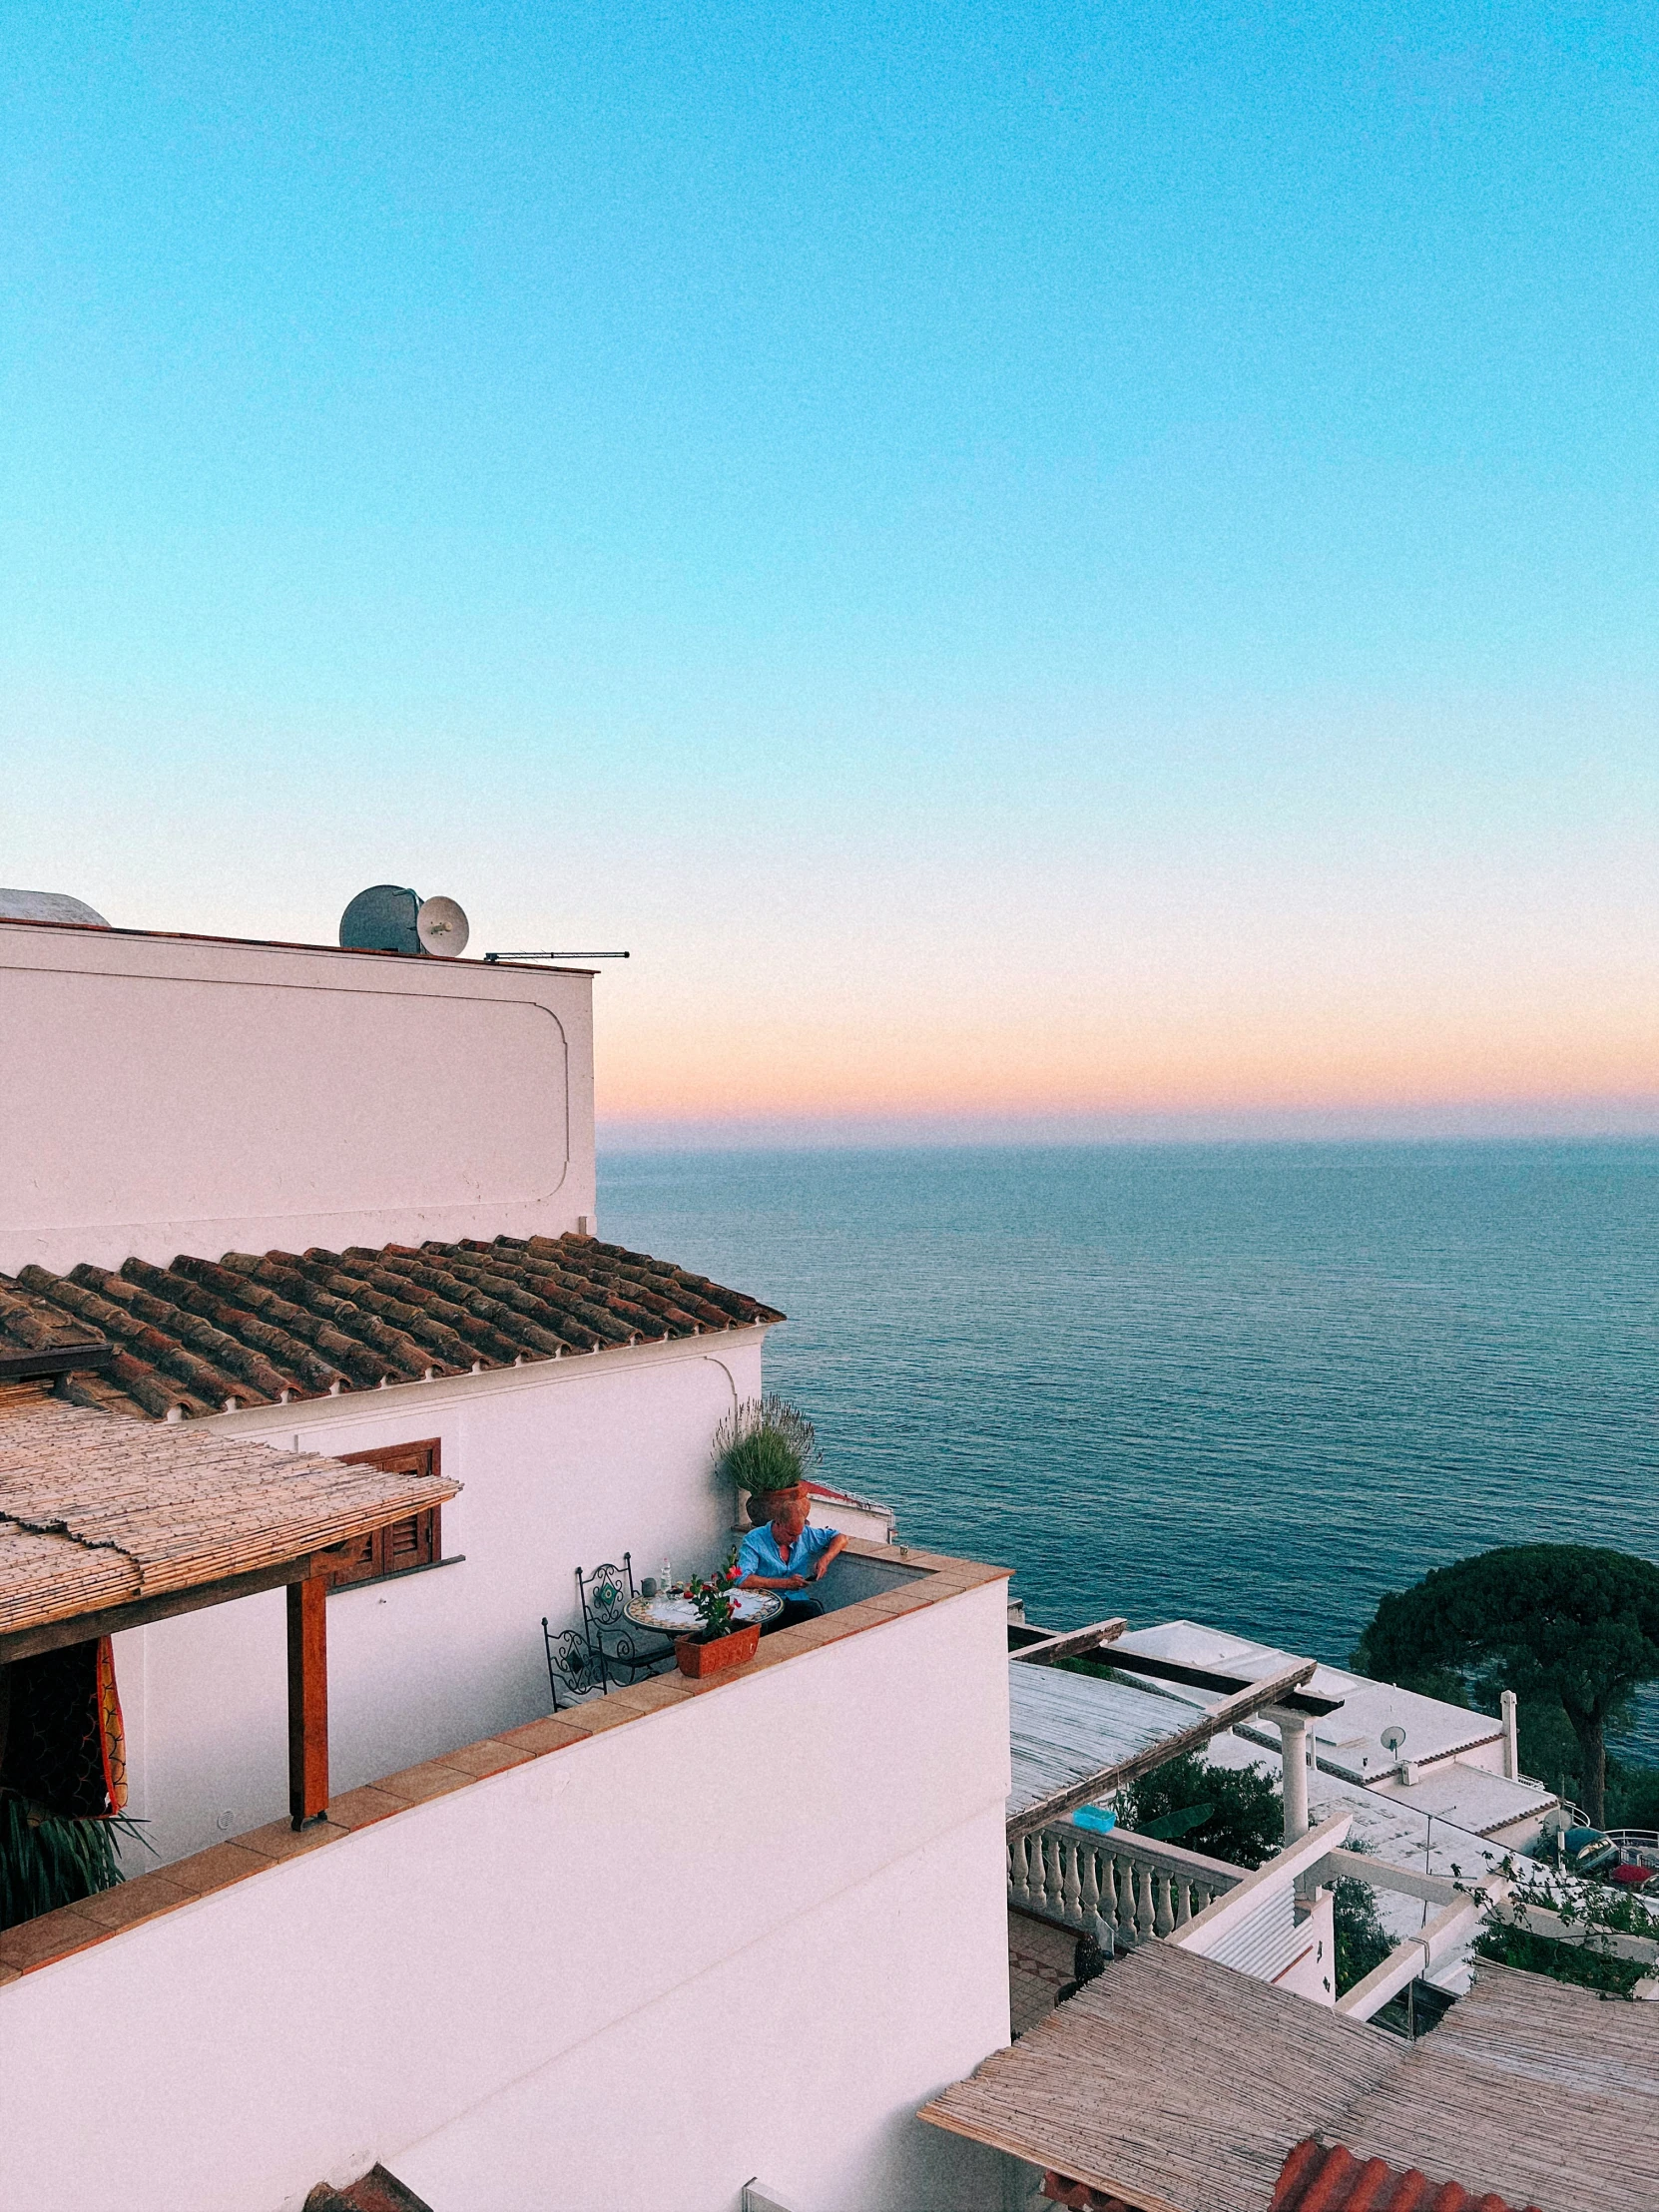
{"x": 759, "y": 1553}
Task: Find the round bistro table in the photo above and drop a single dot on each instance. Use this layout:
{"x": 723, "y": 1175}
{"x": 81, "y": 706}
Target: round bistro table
{"x": 678, "y": 1616}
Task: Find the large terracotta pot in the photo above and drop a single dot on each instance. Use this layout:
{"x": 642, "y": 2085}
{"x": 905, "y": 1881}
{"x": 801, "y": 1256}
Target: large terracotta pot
{"x": 698, "y": 1660}
{"x": 764, "y": 1506}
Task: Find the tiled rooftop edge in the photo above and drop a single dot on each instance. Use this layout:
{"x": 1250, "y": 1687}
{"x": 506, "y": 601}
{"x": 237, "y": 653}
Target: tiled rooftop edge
{"x": 203, "y": 1338}
{"x": 75, "y": 1928}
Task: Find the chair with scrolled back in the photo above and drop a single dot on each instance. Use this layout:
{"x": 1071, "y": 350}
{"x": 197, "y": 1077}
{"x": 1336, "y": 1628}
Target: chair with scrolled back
{"x": 571, "y": 1662}
{"x": 617, "y": 1646}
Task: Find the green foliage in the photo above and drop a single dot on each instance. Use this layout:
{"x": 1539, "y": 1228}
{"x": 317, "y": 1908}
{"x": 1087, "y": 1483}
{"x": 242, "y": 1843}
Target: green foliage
{"x": 1599, "y": 1908}
{"x": 1580, "y": 1963}
{"x": 714, "y": 1596}
{"x": 765, "y": 1444}
{"x": 46, "y": 1861}
{"x": 1595, "y": 1910}
{"x": 1246, "y": 1814}
{"x": 1562, "y": 1624}
{"x": 764, "y": 1461}
{"x": 1632, "y": 1795}
{"x": 1363, "y": 1943}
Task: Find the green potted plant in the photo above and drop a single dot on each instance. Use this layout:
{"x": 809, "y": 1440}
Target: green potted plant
{"x": 721, "y": 1642}
{"x": 767, "y": 1449}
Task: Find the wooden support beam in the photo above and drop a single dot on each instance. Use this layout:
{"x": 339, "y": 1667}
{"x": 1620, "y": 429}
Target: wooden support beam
{"x": 1302, "y": 1702}
{"x": 79, "y": 1628}
{"x": 1070, "y": 1643}
{"x": 308, "y": 1700}
{"x": 53, "y": 1360}
{"x": 1214, "y": 1722}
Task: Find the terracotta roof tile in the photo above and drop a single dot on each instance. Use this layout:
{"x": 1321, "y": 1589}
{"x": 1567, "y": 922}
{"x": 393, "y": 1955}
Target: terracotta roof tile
{"x": 39, "y": 1336}
{"x": 1320, "y": 2177}
{"x": 261, "y": 1329}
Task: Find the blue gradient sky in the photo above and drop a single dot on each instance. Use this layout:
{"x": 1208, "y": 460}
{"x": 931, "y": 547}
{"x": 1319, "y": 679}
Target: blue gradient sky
{"x": 1070, "y": 568}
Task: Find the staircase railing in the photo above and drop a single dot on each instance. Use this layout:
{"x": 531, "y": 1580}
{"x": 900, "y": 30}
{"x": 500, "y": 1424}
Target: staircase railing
{"x": 1139, "y": 1887}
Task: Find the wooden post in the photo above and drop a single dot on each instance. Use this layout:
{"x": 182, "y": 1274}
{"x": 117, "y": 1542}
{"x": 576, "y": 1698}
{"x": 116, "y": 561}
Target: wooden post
{"x": 307, "y": 1699}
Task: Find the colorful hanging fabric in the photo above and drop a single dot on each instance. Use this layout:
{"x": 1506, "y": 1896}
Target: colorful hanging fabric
{"x": 112, "y": 1730}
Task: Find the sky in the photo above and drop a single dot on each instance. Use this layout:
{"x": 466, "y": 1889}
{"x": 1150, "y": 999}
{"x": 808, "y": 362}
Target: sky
{"x": 1060, "y": 571}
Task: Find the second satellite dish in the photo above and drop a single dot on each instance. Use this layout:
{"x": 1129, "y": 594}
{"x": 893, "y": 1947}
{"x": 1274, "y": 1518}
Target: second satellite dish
{"x": 441, "y": 927}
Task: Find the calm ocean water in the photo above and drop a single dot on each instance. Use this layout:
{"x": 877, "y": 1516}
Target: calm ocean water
{"x": 1259, "y": 1386}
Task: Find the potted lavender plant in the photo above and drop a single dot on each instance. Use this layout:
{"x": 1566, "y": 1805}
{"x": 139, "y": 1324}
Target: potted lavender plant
{"x": 767, "y": 1448}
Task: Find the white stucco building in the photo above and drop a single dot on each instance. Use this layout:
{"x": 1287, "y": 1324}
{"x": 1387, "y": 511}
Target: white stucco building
{"x": 342, "y": 1203}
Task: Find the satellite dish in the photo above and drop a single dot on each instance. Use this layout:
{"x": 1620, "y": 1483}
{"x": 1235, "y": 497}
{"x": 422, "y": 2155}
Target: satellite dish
{"x": 441, "y": 927}
{"x": 1392, "y": 1738}
{"x": 381, "y": 919}
{"x": 48, "y": 906}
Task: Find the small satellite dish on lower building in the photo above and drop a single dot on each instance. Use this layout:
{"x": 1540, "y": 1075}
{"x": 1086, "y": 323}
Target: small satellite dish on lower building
{"x": 441, "y": 927}
{"x": 17, "y": 905}
{"x": 381, "y": 919}
{"x": 1392, "y": 1738}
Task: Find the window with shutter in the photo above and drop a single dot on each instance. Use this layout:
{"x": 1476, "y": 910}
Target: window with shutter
{"x": 415, "y": 1542}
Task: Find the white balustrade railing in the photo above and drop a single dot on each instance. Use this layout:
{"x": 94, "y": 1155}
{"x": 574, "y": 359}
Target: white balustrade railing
{"x": 1137, "y": 1886}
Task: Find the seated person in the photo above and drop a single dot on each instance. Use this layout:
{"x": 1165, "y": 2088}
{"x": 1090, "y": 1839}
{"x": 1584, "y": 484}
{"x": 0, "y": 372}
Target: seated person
{"x": 788, "y": 1557}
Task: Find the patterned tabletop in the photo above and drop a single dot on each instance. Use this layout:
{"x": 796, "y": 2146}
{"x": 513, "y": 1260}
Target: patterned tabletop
{"x": 677, "y": 1616}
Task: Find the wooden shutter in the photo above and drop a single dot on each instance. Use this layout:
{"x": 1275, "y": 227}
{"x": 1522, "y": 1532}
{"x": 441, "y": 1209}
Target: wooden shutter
{"x": 416, "y": 1541}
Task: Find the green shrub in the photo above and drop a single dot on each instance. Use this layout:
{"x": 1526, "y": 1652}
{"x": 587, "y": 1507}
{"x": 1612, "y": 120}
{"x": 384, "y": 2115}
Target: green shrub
{"x": 1579, "y": 1963}
{"x": 767, "y": 1460}
{"x": 765, "y": 1444}
{"x": 1363, "y": 1943}
{"x": 47, "y": 1860}
{"x": 1244, "y": 1818}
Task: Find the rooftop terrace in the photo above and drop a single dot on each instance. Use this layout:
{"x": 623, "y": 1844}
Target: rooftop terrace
{"x": 930, "y": 1580}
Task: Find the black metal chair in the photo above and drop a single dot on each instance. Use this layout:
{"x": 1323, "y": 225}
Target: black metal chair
{"x": 571, "y": 1661}
{"x": 616, "y": 1644}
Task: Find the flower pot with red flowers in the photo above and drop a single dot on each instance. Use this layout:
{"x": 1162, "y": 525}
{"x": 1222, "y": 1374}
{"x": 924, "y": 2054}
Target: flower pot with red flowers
{"x": 721, "y": 1642}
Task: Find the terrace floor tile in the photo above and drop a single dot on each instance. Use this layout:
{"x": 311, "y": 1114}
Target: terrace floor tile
{"x": 362, "y": 1808}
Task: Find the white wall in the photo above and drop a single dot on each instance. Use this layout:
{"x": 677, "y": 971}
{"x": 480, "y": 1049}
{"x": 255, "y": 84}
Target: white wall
{"x": 561, "y": 1461}
{"x": 201, "y": 1096}
{"x": 800, "y": 2059}
{"x": 746, "y": 1934}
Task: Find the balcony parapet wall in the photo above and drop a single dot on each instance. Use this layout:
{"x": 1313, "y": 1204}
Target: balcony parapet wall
{"x": 259, "y": 2013}
{"x": 54, "y": 1936}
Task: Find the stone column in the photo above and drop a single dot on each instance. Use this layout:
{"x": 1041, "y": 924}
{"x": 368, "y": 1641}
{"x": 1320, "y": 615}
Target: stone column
{"x": 1511, "y": 1737}
{"x": 1292, "y": 1739}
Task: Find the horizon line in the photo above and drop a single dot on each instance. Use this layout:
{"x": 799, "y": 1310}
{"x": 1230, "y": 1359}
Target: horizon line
{"x": 1583, "y": 1121}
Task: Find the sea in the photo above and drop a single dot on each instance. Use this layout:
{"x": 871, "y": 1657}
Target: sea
{"x": 1257, "y": 1385}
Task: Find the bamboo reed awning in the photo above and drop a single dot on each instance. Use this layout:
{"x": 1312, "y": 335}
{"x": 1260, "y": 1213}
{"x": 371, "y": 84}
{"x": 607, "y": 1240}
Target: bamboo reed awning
{"x": 1544, "y": 2093}
{"x": 1074, "y": 1736}
{"x": 1172, "y": 2082}
{"x": 101, "y": 1513}
{"x": 1182, "y": 2085}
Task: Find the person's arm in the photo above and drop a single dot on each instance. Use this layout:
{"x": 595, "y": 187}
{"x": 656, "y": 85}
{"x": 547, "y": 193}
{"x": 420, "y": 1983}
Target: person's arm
{"x": 833, "y": 1550}
{"x": 750, "y": 1578}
